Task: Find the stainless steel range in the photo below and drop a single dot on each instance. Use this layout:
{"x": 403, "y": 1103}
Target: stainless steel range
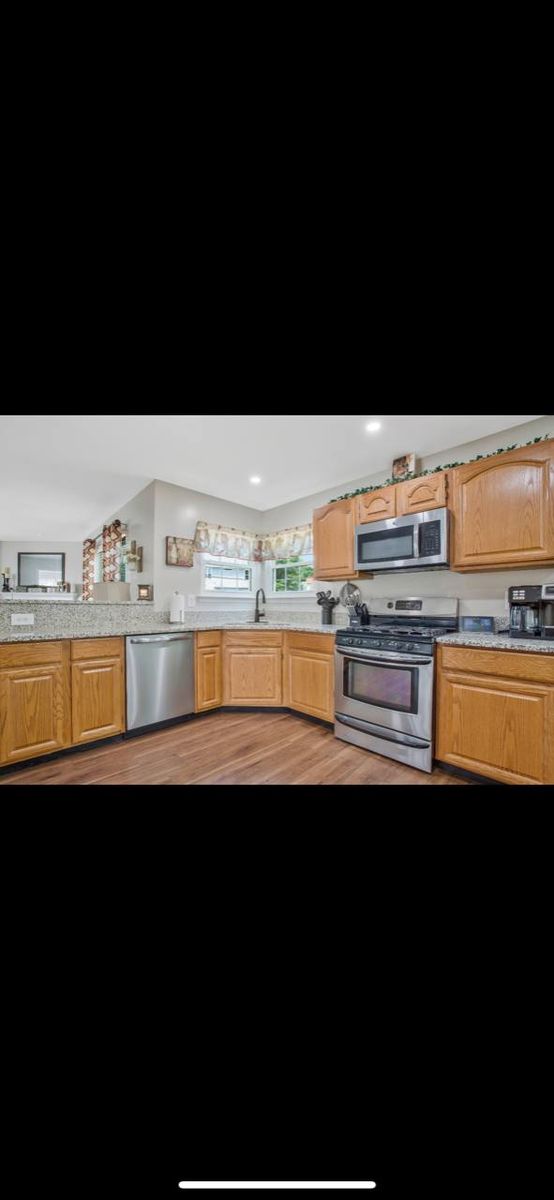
{"x": 385, "y": 673}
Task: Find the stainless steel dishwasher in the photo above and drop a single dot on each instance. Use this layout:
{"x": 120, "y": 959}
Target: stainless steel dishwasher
{"x": 160, "y": 678}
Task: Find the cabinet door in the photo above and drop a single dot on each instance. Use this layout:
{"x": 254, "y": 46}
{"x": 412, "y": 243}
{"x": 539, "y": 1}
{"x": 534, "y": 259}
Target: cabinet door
{"x": 504, "y": 510}
{"x": 309, "y": 683}
{"x": 252, "y": 676}
{"x": 419, "y": 495}
{"x": 501, "y": 728}
{"x": 334, "y": 527}
{"x": 34, "y": 710}
{"x": 208, "y": 678}
{"x": 97, "y": 699}
{"x": 377, "y": 506}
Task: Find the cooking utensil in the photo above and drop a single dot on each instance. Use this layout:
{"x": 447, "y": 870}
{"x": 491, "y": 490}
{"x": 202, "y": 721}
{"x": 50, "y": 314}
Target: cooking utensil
{"x": 350, "y": 595}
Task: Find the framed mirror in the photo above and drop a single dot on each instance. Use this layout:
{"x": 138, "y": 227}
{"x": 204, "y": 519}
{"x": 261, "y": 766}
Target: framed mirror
{"x": 40, "y": 570}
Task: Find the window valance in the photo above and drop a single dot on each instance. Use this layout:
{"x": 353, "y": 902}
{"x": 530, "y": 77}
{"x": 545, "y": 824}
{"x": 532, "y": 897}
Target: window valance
{"x": 249, "y": 546}
{"x": 286, "y": 543}
{"x": 222, "y": 540}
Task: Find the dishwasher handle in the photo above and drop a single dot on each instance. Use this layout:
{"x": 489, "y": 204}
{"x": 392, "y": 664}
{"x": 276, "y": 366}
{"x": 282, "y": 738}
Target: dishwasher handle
{"x": 164, "y": 639}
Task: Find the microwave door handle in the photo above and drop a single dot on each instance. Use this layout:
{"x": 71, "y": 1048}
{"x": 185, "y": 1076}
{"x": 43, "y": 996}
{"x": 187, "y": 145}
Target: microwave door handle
{"x": 417, "y": 534}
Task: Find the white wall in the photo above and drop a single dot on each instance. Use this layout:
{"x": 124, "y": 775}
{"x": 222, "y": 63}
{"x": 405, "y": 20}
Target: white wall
{"x": 73, "y": 556}
{"x": 481, "y": 594}
{"x": 177, "y": 510}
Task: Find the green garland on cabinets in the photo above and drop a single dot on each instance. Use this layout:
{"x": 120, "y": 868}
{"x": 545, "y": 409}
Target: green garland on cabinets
{"x": 376, "y": 487}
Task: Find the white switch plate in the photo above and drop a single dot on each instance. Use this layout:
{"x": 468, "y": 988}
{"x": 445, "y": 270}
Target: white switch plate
{"x": 191, "y": 600}
{"x": 23, "y": 618}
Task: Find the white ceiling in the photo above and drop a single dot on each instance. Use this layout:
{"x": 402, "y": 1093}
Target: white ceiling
{"x": 62, "y": 476}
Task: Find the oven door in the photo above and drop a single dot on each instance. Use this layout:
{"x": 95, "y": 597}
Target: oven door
{"x": 394, "y": 691}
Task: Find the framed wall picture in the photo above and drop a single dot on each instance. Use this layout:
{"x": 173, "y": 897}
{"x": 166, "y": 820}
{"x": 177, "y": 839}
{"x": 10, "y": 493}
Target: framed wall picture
{"x": 404, "y": 466}
{"x": 179, "y": 552}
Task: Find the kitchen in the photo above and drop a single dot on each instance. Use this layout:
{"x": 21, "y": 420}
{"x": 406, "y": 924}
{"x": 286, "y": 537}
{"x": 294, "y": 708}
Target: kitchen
{"x": 179, "y": 608}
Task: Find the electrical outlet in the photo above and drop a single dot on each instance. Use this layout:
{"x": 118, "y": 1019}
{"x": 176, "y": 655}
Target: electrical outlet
{"x": 23, "y": 618}
{"x": 191, "y": 600}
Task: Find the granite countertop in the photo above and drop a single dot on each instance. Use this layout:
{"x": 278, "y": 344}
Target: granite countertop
{"x": 25, "y": 633}
{"x": 497, "y": 641}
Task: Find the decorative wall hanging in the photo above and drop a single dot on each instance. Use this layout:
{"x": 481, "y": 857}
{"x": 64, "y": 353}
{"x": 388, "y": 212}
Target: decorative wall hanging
{"x": 404, "y": 467}
{"x": 145, "y": 591}
{"x": 132, "y": 557}
{"x": 179, "y": 552}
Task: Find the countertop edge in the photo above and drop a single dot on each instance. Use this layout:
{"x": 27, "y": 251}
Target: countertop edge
{"x": 62, "y": 635}
{"x": 497, "y": 641}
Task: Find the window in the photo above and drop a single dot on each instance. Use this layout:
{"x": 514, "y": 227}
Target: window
{"x": 226, "y": 575}
{"x": 294, "y": 574}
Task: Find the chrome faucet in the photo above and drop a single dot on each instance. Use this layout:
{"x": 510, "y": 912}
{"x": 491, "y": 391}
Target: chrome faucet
{"x": 259, "y": 614}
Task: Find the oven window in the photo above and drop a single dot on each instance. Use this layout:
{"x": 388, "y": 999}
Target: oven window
{"x": 386, "y": 546}
{"x": 386, "y": 686}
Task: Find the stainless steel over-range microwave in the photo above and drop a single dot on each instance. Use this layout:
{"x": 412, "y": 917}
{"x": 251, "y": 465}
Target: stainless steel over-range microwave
{"x": 414, "y": 543}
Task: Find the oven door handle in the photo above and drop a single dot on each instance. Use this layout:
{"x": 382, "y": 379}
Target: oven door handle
{"x": 392, "y": 661}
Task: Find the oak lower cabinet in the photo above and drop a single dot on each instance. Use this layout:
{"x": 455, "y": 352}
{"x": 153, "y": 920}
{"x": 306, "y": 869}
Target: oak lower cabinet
{"x": 208, "y": 670}
{"x": 309, "y": 674}
{"x": 495, "y": 713}
{"x": 97, "y": 689}
{"x": 35, "y": 711}
{"x": 252, "y": 669}
{"x": 334, "y": 527}
{"x": 503, "y": 510}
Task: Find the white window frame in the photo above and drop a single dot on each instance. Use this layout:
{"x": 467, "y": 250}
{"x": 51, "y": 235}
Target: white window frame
{"x": 286, "y": 596}
{"x": 229, "y": 593}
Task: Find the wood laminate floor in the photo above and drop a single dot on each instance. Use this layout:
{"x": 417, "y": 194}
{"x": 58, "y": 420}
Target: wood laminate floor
{"x": 240, "y": 748}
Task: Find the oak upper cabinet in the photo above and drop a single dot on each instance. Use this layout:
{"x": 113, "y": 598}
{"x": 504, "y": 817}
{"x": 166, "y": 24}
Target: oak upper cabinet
{"x": 252, "y": 668}
{"x": 377, "y": 506}
{"x": 34, "y": 700}
{"x": 208, "y": 674}
{"x": 419, "y": 495}
{"x": 334, "y": 532}
{"x": 309, "y": 674}
{"x": 97, "y": 689}
{"x": 504, "y": 510}
{"x": 495, "y": 713}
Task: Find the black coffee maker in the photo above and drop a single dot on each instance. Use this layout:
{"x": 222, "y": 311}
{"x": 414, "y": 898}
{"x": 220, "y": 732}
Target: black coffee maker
{"x": 548, "y": 610}
{"x": 532, "y": 611}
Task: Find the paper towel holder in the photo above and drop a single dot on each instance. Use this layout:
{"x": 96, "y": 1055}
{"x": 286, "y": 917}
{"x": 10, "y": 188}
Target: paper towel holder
{"x": 177, "y": 608}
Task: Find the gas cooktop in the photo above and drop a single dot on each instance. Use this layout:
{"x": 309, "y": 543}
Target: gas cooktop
{"x": 421, "y": 623}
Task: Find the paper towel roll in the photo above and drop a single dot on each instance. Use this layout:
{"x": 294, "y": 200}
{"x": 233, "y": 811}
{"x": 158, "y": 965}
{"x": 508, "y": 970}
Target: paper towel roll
{"x": 177, "y": 608}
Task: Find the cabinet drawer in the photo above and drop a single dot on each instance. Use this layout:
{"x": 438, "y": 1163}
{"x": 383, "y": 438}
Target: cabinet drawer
{"x": 28, "y": 654}
{"x": 107, "y": 647}
{"x": 251, "y": 638}
{"x": 208, "y": 637}
{"x": 316, "y": 643}
{"x": 508, "y": 664}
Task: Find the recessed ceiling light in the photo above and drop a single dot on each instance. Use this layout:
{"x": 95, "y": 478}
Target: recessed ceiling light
{"x": 373, "y": 426}
{"x": 255, "y": 479}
